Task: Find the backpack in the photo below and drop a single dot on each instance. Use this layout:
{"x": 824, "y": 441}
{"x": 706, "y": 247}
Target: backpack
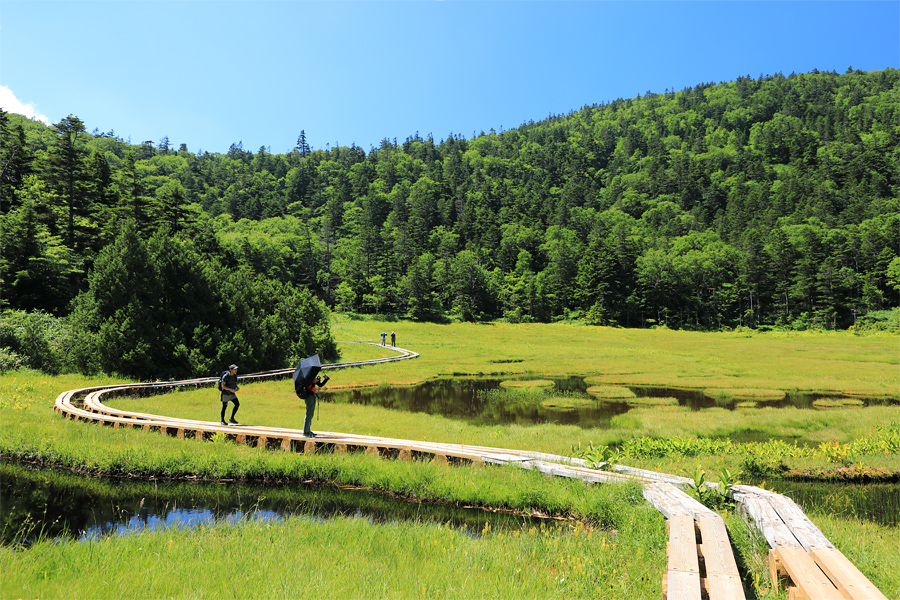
{"x": 221, "y": 377}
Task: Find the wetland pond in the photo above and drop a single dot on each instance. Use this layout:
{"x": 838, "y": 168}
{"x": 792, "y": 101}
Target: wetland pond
{"x": 59, "y": 504}
{"x": 566, "y": 401}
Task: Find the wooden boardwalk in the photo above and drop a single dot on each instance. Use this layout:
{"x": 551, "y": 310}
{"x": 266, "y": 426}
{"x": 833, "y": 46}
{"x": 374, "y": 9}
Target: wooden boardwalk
{"x": 701, "y": 563}
{"x": 800, "y": 552}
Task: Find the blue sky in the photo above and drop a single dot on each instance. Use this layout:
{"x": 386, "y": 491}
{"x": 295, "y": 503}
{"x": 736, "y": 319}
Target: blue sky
{"x": 210, "y": 73}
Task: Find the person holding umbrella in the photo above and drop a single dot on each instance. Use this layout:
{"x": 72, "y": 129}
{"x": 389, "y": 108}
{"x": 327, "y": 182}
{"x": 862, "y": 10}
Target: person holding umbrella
{"x": 306, "y": 386}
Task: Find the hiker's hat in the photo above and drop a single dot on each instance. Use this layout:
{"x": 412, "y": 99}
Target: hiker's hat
{"x": 232, "y": 367}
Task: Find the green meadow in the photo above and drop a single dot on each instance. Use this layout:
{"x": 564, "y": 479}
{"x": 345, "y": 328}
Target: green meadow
{"x": 612, "y": 544}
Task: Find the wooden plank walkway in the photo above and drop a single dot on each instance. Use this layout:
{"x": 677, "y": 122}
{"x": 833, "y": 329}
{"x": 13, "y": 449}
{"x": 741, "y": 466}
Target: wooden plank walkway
{"x": 799, "y": 550}
{"x": 700, "y": 559}
{"x": 701, "y": 539}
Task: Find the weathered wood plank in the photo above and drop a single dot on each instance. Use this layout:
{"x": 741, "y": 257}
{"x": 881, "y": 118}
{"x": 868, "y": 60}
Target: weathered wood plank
{"x": 767, "y": 521}
{"x": 683, "y": 566}
{"x": 682, "y": 547}
{"x": 723, "y": 581}
{"x": 716, "y": 547}
{"x": 665, "y": 504}
{"x": 803, "y": 529}
{"x": 682, "y": 586}
{"x": 849, "y": 580}
{"x": 805, "y": 574}
{"x": 724, "y": 587}
{"x": 671, "y": 501}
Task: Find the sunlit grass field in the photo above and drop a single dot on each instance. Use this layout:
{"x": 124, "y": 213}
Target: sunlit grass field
{"x": 821, "y": 361}
{"x": 359, "y": 559}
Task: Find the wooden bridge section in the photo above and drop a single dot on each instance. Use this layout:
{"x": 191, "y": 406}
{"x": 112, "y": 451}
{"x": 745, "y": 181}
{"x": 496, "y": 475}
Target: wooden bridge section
{"x": 701, "y": 564}
{"x": 800, "y": 552}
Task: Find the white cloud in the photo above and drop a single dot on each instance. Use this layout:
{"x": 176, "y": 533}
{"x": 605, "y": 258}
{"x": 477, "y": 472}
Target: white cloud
{"x": 10, "y": 103}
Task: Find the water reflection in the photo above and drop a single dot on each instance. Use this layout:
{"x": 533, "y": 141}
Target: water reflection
{"x": 179, "y": 517}
{"x": 52, "y": 504}
{"x": 472, "y": 400}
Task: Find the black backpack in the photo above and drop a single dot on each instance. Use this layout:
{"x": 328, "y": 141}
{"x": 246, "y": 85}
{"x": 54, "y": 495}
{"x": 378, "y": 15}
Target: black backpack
{"x": 221, "y": 377}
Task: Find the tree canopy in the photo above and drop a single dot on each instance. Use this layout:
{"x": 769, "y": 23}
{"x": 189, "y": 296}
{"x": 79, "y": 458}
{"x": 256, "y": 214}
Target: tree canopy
{"x": 767, "y": 201}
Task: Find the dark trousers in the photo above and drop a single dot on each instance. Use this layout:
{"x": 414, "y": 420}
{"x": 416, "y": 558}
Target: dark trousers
{"x": 237, "y": 405}
{"x": 310, "y": 409}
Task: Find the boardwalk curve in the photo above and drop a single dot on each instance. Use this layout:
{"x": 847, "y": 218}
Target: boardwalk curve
{"x": 700, "y": 560}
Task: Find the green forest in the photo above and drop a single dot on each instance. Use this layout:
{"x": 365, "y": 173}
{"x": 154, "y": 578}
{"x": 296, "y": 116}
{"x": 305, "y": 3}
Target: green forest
{"x": 767, "y": 202}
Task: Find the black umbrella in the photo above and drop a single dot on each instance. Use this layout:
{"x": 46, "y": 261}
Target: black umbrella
{"x": 306, "y": 371}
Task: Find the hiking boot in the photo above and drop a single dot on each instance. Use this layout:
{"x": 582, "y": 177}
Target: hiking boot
{"x": 233, "y": 422}
{"x": 224, "y": 423}
{"x": 309, "y": 434}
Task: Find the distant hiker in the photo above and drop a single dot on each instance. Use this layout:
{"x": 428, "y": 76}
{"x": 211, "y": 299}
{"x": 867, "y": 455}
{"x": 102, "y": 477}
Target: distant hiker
{"x": 383, "y": 335}
{"x": 229, "y": 386}
{"x": 310, "y": 395}
{"x": 393, "y": 339}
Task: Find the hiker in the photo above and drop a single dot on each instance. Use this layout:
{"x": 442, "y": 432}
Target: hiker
{"x": 383, "y": 335}
{"x": 229, "y": 386}
{"x": 393, "y": 339}
{"x": 311, "y": 394}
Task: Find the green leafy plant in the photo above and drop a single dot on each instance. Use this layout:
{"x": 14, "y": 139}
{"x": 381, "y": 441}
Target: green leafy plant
{"x": 713, "y": 497}
{"x": 598, "y": 457}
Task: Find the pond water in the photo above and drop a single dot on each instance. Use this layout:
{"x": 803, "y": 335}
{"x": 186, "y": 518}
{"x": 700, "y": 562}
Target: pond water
{"x": 472, "y": 400}
{"x": 55, "y": 504}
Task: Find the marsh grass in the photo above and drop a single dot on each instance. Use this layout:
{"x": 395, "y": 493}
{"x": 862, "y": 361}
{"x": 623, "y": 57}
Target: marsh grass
{"x": 838, "y": 403}
{"x": 346, "y": 558}
{"x": 732, "y": 394}
{"x": 376, "y": 564}
{"x": 610, "y": 392}
{"x": 568, "y": 402}
{"x": 653, "y": 401}
{"x": 823, "y": 361}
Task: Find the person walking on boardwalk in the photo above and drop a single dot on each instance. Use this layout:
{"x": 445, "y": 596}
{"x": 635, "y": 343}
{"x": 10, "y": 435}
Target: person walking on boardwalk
{"x": 383, "y": 335}
{"x": 229, "y": 386}
{"x": 393, "y": 339}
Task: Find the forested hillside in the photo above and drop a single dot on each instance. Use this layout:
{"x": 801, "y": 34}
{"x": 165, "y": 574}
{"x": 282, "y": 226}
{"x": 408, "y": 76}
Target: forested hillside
{"x": 769, "y": 201}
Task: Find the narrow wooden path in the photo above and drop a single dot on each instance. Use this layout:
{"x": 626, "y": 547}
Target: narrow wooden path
{"x": 701, "y": 564}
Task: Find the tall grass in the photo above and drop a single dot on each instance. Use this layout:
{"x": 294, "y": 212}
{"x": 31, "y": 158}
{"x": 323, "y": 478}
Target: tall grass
{"x": 347, "y": 558}
{"x": 354, "y": 558}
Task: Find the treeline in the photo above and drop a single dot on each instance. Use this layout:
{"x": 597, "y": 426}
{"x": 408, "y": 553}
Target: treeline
{"x": 762, "y": 202}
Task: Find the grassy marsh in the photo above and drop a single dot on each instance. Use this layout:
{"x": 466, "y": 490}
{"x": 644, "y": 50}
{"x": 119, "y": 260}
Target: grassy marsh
{"x": 836, "y": 362}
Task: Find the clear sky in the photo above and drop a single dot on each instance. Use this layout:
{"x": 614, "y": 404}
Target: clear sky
{"x": 211, "y": 73}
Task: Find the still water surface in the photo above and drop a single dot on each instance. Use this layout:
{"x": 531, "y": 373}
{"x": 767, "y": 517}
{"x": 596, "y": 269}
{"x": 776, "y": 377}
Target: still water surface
{"x": 470, "y": 400}
{"x": 55, "y": 504}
